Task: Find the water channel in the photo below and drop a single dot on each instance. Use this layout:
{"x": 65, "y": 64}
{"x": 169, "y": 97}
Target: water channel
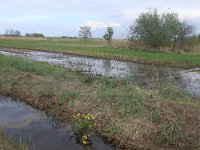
{"x": 38, "y": 130}
{"x": 189, "y": 80}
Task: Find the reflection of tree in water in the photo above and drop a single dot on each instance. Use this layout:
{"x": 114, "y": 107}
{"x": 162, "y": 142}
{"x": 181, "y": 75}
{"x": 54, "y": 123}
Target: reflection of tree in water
{"x": 107, "y": 66}
{"x": 153, "y": 76}
{"x": 148, "y": 75}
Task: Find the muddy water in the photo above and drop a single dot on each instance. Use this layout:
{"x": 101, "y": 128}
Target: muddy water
{"x": 189, "y": 80}
{"x": 39, "y": 131}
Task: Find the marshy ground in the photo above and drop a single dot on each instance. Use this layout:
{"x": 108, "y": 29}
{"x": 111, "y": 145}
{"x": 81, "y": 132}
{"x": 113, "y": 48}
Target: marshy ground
{"x": 162, "y": 116}
{"x": 129, "y": 116}
{"x": 98, "y": 48}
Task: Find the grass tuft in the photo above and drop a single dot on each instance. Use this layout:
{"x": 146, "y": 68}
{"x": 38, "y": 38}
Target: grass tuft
{"x": 124, "y": 109}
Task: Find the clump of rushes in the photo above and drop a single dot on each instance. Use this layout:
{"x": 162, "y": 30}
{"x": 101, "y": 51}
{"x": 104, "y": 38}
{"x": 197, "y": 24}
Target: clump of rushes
{"x": 84, "y": 126}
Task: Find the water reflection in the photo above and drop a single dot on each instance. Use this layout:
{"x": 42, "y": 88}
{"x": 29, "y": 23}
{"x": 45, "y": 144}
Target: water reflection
{"x": 191, "y": 80}
{"x": 107, "y": 67}
{"x": 39, "y": 131}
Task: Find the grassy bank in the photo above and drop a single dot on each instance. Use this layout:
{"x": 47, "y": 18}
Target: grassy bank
{"x": 128, "y": 115}
{"x": 7, "y": 144}
{"x": 95, "y": 48}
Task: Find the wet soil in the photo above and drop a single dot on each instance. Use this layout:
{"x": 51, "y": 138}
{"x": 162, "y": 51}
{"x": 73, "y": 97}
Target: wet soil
{"x": 188, "y": 80}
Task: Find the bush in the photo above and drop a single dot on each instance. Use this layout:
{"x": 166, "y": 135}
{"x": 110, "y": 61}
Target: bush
{"x": 159, "y": 30}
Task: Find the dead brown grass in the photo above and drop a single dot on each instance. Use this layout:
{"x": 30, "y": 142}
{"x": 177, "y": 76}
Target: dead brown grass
{"x": 7, "y": 144}
{"x": 132, "y": 132}
{"x": 196, "y": 49}
{"x": 22, "y": 38}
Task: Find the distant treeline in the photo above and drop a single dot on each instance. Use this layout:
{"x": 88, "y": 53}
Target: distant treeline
{"x": 34, "y": 35}
{"x": 150, "y": 31}
{"x": 12, "y": 32}
{"x": 69, "y": 37}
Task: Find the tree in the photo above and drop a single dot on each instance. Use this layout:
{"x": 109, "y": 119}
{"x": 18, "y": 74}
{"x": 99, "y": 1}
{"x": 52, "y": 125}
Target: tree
{"x": 6, "y": 32}
{"x": 170, "y": 26}
{"x": 11, "y": 32}
{"x": 17, "y": 33}
{"x": 147, "y": 28}
{"x": 85, "y": 32}
{"x": 159, "y": 30}
{"x": 108, "y": 35}
{"x": 34, "y": 35}
{"x": 184, "y": 33}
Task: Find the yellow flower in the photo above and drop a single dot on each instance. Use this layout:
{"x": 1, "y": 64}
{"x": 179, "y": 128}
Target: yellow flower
{"x": 85, "y": 137}
{"x": 84, "y": 142}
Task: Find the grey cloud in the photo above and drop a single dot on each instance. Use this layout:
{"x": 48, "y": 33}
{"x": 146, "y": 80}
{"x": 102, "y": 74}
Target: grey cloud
{"x": 31, "y": 15}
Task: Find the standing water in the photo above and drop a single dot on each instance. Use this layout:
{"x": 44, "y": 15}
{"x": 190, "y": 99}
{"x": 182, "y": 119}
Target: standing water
{"x": 39, "y": 131}
{"x": 189, "y": 80}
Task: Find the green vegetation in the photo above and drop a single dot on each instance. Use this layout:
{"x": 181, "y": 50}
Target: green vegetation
{"x": 125, "y": 111}
{"x": 158, "y": 117}
{"x": 84, "y": 126}
{"x": 85, "y": 32}
{"x": 11, "y": 32}
{"x": 193, "y": 44}
{"x": 108, "y": 35}
{"x": 95, "y": 48}
{"x": 160, "y": 30}
{"x": 68, "y": 95}
{"x": 34, "y": 35}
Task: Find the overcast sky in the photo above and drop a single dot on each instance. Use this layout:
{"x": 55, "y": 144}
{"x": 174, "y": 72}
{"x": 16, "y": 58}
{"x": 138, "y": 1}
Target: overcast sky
{"x": 64, "y": 17}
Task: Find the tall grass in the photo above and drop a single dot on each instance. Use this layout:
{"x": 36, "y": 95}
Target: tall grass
{"x": 96, "y": 48}
{"x": 7, "y": 143}
{"x": 121, "y": 103}
{"x": 37, "y": 68}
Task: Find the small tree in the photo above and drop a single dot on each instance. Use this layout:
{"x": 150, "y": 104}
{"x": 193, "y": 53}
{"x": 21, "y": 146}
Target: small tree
{"x": 6, "y": 32}
{"x": 184, "y": 32}
{"x": 170, "y": 25}
{"x": 11, "y": 32}
{"x": 85, "y": 32}
{"x": 34, "y": 35}
{"x": 108, "y": 35}
{"x": 147, "y": 28}
{"x": 159, "y": 30}
{"x": 17, "y": 33}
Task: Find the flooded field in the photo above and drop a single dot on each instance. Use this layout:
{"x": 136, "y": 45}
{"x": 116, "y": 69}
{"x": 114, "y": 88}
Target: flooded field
{"x": 38, "y": 130}
{"x": 189, "y": 80}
